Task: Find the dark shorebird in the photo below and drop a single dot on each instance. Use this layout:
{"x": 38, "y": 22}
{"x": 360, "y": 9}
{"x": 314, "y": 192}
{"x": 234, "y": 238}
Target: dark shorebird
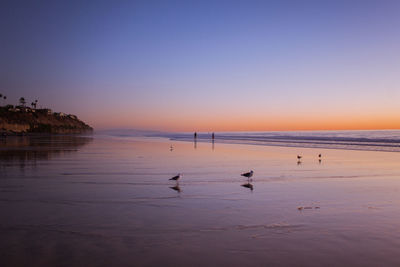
{"x": 299, "y": 159}
{"x": 176, "y": 177}
{"x": 247, "y": 174}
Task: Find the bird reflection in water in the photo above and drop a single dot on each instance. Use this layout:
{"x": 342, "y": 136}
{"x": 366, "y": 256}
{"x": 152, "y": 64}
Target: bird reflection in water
{"x": 248, "y": 185}
{"x": 176, "y": 188}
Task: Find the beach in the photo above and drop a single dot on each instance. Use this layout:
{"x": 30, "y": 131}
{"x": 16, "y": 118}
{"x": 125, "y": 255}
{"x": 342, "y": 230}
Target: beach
{"x": 108, "y": 201}
{"x": 200, "y": 133}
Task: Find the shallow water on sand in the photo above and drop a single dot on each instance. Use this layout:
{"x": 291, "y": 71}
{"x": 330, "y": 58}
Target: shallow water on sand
{"x": 104, "y": 201}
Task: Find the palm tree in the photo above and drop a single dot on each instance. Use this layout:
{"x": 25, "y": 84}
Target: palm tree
{"x": 22, "y": 101}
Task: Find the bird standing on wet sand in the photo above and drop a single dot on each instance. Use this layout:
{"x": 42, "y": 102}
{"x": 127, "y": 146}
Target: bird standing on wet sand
{"x": 176, "y": 177}
{"x": 247, "y": 174}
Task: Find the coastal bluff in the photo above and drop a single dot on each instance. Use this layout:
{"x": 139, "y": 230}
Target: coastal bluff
{"x": 24, "y": 120}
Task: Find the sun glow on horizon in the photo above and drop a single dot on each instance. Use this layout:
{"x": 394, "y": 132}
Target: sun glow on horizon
{"x": 293, "y": 123}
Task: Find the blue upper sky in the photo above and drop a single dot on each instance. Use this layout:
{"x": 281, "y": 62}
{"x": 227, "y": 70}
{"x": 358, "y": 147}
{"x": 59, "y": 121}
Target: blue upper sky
{"x": 218, "y": 65}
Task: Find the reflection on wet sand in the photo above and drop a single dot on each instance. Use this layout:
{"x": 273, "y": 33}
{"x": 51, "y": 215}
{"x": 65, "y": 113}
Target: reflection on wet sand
{"x": 32, "y": 148}
{"x": 248, "y": 185}
{"x": 176, "y": 188}
{"x": 112, "y": 203}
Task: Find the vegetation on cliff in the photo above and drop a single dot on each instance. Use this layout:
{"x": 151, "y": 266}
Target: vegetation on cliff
{"x": 22, "y": 120}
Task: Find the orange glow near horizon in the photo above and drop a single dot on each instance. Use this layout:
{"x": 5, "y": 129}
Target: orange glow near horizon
{"x": 236, "y": 123}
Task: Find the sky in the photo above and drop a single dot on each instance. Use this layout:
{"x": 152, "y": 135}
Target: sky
{"x": 206, "y": 65}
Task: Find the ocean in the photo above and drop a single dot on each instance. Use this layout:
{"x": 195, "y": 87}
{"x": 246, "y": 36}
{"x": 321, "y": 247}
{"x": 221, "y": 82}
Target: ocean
{"x": 378, "y": 140}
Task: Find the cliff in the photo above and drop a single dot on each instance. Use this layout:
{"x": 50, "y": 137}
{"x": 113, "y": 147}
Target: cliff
{"x": 24, "y": 120}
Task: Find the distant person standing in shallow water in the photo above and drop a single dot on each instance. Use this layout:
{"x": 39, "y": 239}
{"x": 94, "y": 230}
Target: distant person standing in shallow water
{"x": 195, "y": 135}
{"x": 212, "y": 136}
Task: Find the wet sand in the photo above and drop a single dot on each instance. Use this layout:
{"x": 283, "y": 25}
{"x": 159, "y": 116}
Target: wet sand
{"x": 108, "y": 201}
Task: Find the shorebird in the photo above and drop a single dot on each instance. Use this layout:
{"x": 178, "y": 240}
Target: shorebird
{"x": 176, "y": 177}
{"x": 247, "y": 174}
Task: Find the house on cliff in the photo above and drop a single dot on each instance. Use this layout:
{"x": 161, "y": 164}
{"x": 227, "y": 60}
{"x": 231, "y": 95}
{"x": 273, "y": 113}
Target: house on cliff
{"x": 45, "y": 111}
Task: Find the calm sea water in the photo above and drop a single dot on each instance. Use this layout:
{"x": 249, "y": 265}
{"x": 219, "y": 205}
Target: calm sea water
{"x": 107, "y": 201}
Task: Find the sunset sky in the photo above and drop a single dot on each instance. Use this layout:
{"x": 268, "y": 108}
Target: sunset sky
{"x": 207, "y": 65}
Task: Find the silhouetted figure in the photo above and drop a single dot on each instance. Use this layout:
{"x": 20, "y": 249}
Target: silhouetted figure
{"x": 213, "y": 136}
{"x": 319, "y": 156}
{"x": 247, "y": 174}
{"x": 195, "y": 135}
{"x": 248, "y": 185}
{"x": 176, "y": 177}
{"x": 176, "y": 188}
{"x": 299, "y": 157}
{"x": 171, "y": 148}
{"x": 319, "y": 161}
{"x": 298, "y": 162}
